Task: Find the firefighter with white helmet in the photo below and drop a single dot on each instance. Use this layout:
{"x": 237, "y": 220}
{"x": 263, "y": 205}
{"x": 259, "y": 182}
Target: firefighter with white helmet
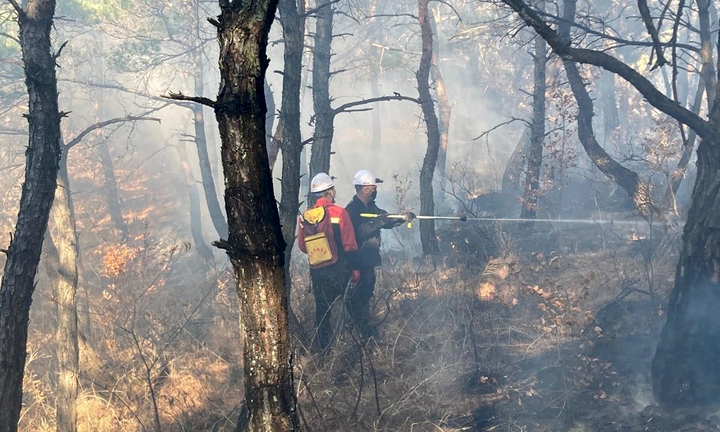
{"x": 367, "y": 234}
{"x": 326, "y": 235}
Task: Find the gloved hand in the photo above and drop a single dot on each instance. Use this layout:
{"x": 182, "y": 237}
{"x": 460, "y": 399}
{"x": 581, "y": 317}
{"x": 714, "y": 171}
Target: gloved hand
{"x": 355, "y": 276}
{"x": 409, "y": 216}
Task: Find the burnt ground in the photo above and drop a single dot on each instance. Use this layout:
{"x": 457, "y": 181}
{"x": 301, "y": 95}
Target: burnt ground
{"x": 552, "y": 333}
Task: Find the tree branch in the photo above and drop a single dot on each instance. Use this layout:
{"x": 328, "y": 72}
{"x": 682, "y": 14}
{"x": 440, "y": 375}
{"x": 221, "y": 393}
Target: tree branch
{"x": 656, "y": 98}
{"x": 647, "y": 19}
{"x": 11, "y": 37}
{"x": 620, "y": 41}
{"x": 396, "y": 97}
{"x": 199, "y": 99}
{"x": 57, "y": 54}
{"x": 313, "y": 11}
{"x": 102, "y": 124}
{"x": 17, "y": 7}
{"x": 127, "y": 90}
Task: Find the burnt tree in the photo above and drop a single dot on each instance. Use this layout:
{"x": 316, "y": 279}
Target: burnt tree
{"x": 444, "y": 105}
{"x": 537, "y": 133}
{"x": 428, "y": 239}
{"x": 255, "y": 243}
{"x": 629, "y": 180}
{"x": 66, "y": 284}
{"x": 684, "y": 369}
{"x": 323, "y": 112}
{"x": 292, "y": 18}
{"x": 38, "y": 190}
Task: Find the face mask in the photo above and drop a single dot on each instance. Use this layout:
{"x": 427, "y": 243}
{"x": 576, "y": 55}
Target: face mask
{"x": 373, "y": 195}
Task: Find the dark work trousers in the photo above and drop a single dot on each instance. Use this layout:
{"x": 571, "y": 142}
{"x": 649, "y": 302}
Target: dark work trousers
{"x": 359, "y": 302}
{"x": 329, "y": 285}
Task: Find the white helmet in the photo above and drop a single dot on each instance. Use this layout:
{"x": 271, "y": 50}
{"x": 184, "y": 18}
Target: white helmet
{"x": 364, "y": 178}
{"x": 321, "y": 182}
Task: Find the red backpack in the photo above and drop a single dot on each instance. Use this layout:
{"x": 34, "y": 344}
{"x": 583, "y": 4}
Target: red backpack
{"x": 317, "y": 230}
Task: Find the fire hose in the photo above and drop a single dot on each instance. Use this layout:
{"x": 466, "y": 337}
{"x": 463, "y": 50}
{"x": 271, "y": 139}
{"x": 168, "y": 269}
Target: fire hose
{"x": 464, "y": 218}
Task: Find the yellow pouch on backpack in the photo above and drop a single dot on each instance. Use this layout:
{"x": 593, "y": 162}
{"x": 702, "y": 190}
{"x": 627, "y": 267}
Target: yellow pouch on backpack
{"x": 314, "y": 215}
{"x": 318, "y": 249}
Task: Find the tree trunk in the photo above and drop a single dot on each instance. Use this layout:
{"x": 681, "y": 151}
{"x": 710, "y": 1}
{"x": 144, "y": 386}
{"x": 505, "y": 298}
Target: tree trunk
{"x": 202, "y": 248}
{"x": 111, "y": 189}
{"x": 444, "y": 106}
{"x": 66, "y": 284}
{"x": 293, "y": 23}
{"x": 375, "y": 30}
{"x": 291, "y": 145}
{"x": 324, "y": 115}
{"x": 208, "y": 181}
{"x": 272, "y": 147}
{"x": 511, "y": 181}
{"x": 38, "y": 190}
{"x": 428, "y": 239}
{"x": 638, "y": 190}
{"x": 537, "y": 133}
{"x": 611, "y": 117}
{"x": 688, "y": 146}
{"x": 707, "y": 72}
{"x": 255, "y": 244}
{"x": 685, "y": 367}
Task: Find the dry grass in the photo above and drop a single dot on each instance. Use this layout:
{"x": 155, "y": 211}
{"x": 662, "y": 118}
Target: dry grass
{"x": 508, "y": 343}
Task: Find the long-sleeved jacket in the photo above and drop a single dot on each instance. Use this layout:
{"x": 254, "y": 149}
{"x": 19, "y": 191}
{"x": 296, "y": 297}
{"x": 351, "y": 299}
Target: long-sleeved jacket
{"x": 343, "y": 231}
{"x": 367, "y": 230}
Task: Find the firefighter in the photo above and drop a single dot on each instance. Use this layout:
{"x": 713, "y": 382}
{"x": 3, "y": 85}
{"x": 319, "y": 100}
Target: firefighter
{"x": 327, "y": 236}
{"x": 367, "y": 234}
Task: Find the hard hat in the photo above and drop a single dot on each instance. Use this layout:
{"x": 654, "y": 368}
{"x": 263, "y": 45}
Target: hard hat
{"x": 321, "y": 182}
{"x": 364, "y": 178}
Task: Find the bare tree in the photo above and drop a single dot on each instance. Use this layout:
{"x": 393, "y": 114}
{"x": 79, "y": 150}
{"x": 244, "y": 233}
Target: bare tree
{"x": 255, "y": 243}
{"x": 537, "y": 132}
{"x": 684, "y": 367}
{"x": 66, "y": 282}
{"x": 43, "y": 155}
{"x": 427, "y": 204}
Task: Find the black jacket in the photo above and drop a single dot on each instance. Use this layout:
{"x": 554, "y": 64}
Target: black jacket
{"x": 367, "y": 230}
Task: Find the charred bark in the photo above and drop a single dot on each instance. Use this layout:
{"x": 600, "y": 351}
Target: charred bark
{"x": 324, "y": 115}
{"x": 255, "y": 244}
{"x": 428, "y": 239}
{"x": 38, "y": 190}
{"x": 537, "y": 134}
{"x": 684, "y": 368}
{"x": 66, "y": 284}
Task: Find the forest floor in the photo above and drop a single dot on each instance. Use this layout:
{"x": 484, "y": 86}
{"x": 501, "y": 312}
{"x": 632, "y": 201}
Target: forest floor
{"x": 552, "y": 333}
{"x": 504, "y": 331}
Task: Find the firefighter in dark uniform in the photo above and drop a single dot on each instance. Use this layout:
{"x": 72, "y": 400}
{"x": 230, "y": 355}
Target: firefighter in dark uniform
{"x": 367, "y": 234}
{"x": 326, "y": 234}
